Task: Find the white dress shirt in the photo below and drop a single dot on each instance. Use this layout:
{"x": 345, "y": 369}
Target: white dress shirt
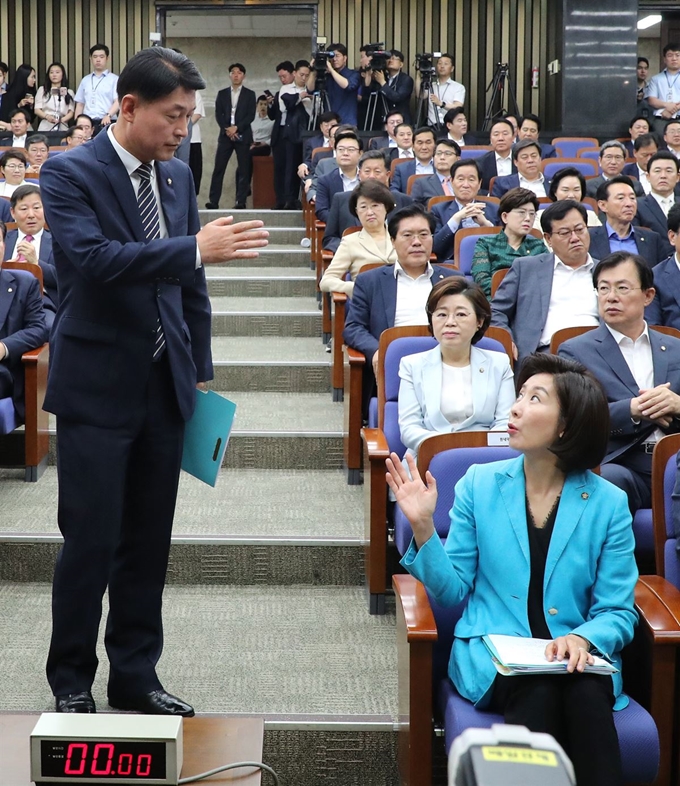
{"x": 412, "y": 295}
{"x": 456, "y": 402}
{"x": 196, "y": 127}
{"x": 424, "y": 169}
{"x": 460, "y": 142}
{"x": 37, "y": 238}
{"x": 537, "y": 186}
{"x": 349, "y": 184}
{"x": 665, "y": 203}
{"x": 293, "y": 88}
{"x": 406, "y": 153}
{"x": 573, "y": 301}
{"x": 448, "y": 92}
{"x": 644, "y": 180}
{"x": 235, "y": 93}
{"x": 504, "y": 165}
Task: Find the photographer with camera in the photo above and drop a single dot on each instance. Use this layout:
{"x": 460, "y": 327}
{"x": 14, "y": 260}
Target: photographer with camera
{"x": 341, "y": 89}
{"x": 371, "y": 107}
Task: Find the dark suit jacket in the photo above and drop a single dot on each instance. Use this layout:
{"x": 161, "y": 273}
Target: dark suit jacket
{"x": 326, "y": 187}
{"x": 46, "y": 261}
{"x": 548, "y": 151}
{"x": 425, "y": 188}
{"x": 373, "y": 306}
{"x": 379, "y": 142}
{"x": 651, "y": 216}
{"x": 631, "y": 170}
{"x": 310, "y": 144}
{"x": 665, "y": 308}
{"x": 5, "y": 212}
{"x": 114, "y": 284}
{"x": 399, "y": 97}
{"x": 648, "y": 243}
{"x": 402, "y": 174}
{"x": 340, "y": 218}
{"x": 487, "y": 166}
{"x": 22, "y": 326}
{"x": 503, "y": 184}
{"x": 443, "y": 236}
{"x": 594, "y": 183}
{"x": 245, "y": 112}
{"x": 274, "y": 113}
{"x": 599, "y": 352}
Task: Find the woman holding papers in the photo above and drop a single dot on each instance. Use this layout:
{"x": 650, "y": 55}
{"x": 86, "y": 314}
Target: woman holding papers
{"x": 542, "y": 548}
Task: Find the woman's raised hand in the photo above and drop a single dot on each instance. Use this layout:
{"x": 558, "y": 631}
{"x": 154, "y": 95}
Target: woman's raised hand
{"x": 416, "y": 499}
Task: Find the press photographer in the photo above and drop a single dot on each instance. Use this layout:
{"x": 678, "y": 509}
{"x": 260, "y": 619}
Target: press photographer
{"x": 396, "y": 86}
{"x": 372, "y": 104}
{"x": 341, "y": 84}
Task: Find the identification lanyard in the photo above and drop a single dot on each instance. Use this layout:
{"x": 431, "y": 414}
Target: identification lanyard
{"x": 101, "y": 79}
{"x": 671, "y": 86}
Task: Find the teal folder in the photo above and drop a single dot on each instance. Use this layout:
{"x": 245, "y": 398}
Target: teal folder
{"x": 206, "y": 436}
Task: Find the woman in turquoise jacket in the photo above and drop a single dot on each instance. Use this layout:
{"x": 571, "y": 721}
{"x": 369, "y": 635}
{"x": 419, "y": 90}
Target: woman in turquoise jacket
{"x": 541, "y": 547}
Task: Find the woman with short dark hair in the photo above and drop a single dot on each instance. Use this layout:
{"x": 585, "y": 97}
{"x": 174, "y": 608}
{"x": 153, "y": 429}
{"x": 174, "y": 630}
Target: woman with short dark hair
{"x": 568, "y": 183}
{"x": 456, "y": 386}
{"x": 540, "y": 547}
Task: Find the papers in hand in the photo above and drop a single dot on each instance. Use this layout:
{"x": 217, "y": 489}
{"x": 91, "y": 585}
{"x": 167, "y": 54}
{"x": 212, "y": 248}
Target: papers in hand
{"x": 514, "y": 655}
{"x": 206, "y": 436}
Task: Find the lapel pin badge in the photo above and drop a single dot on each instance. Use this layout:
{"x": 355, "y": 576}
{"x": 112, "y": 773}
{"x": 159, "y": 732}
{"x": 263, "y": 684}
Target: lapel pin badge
{"x": 663, "y": 349}
{"x": 169, "y": 181}
{"x": 10, "y": 289}
{"x": 585, "y": 495}
{"x": 481, "y": 370}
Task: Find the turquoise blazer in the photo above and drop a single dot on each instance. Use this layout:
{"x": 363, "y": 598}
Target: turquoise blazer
{"x": 590, "y": 572}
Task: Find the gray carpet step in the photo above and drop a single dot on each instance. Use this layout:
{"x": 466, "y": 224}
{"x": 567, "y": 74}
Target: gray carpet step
{"x": 262, "y": 282}
{"x": 274, "y": 255}
{"x": 281, "y": 316}
{"x": 271, "y": 218}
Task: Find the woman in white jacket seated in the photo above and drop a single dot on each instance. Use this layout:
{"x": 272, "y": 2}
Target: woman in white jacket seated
{"x": 456, "y": 386}
{"x": 370, "y": 202}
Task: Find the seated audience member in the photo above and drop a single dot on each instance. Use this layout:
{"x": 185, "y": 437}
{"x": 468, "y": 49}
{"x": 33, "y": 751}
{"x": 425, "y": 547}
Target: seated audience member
{"x": 396, "y": 86}
{"x": 403, "y": 135}
{"x": 568, "y": 183}
{"x": 526, "y": 157}
{"x": 13, "y": 165}
{"x": 638, "y": 126}
{"x": 423, "y": 147}
{"x": 37, "y": 152}
{"x": 498, "y": 162}
{"x": 457, "y": 127}
{"x": 639, "y": 370}
{"x": 462, "y": 210}
{"x": 396, "y": 294}
{"x": 545, "y": 293}
{"x": 665, "y": 308}
{"x": 392, "y": 120}
{"x": 19, "y": 129}
{"x": 517, "y": 212}
{"x": 372, "y": 166}
{"x": 262, "y": 128}
{"x": 74, "y": 137}
{"x": 529, "y": 128}
{"x": 644, "y": 147}
{"x": 31, "y": 242}
{"x": 671, "y": 136}
{"x": 322, "y": 139}
{"x": 86, "y": 123}
{"x": 22, "y": 327}
{"x": 20, "y": 94}
{"x": 612, "y": 161}
{"x": 55, "y": 104}
{"x": 456, "y": 386}
{"x": 345, "y": 177}
{"x": 617, "y": 200}
{"x": 325, "y": 161}
{"x": 497, "y": 558}
{"x": 370, "y": 203}
{"x": 514, "y": 122}
{"x": 446, "y": 154}
{"x": 5, "y": 212}
{"x": 653, "y": 209}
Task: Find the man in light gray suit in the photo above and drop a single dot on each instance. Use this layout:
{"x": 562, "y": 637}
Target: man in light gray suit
{"x": 543, "y": 294}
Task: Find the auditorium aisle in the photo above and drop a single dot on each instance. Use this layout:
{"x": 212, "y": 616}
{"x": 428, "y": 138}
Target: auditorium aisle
{"x": 265, "y": 609}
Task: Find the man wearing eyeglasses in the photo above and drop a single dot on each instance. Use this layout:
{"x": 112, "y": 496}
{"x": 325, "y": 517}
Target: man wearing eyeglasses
{"x": 348, "y": 149}
{"x": 612, "y": 160}
{"x": 616, "y": 199}
{"x": 639, "y": 369}
{"x": 446, "y": 154}
{"x": 547, "y": 292}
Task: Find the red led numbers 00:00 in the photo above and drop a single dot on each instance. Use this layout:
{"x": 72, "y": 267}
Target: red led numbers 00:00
{"x": 102, "y": 761}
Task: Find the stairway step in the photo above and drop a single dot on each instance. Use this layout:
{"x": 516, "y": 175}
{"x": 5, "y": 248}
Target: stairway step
{"x": 274, "y": 255}
{"x": 271, "y": 218}
{"x": 283, "y": 316}
{"x": 261, "y": 282}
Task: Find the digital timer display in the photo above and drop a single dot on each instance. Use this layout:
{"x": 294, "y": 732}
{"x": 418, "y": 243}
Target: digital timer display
{"x": 131, "y": 760}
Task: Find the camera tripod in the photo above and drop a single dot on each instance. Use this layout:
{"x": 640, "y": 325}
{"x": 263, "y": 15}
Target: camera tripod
{"x": 374, "y": 99}
{"x": 498, "y": 85}
{"x": 424, "y": 103}
{"x": 320, "y": 104}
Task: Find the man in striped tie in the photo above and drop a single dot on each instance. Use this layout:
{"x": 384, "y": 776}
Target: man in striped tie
{"x": 130, "y": 344}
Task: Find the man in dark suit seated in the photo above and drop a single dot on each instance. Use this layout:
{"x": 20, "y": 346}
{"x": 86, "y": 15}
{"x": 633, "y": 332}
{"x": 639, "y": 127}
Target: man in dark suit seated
{"x": 392, "y": 120}
{"x": 612, "y": 160}
{"x": 644, "y": 147}
{"x": 372, "y": 166}
{"x": 456, "y": 124}
{"x": 421, "y": 164}
{"x": 22, "y": 327}
{"x": 665, "y": 308}
{"x": 617, "y": 200}
{"x": 20, "y": 129}
{"x": 529, "y": 127}
{"x": 5, "y": 211}
{"x": 31, "y": 242}
{"x": 403, "y": 135}
{"x": 653, "y": 209}
{"x": 326, "y": 121}
{"x": 639, "y": 370}
{"x": 348, "y": 147}
{"x": 446, "y": 154}
{"x": 526, "y": 157}
{"x": 462, "y": 211}
{"x": 396, "y": 294}
{"x": 498, "y": 161}
{"x": 543, "y": 294}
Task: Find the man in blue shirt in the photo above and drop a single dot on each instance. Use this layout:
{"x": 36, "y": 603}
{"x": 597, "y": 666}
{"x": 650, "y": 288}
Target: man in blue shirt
{"x": 663, "y": 89}
{"x": 342, "y": 85}
{"x": 96, "y": 95}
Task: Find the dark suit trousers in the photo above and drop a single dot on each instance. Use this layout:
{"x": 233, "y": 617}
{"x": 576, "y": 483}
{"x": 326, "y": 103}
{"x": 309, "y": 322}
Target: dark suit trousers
{"x": 632, "y": 472}
{"x": 225, "y": 147}
{"x": 117, "y": 493}
{"x": 196, "y": 163}
{"x": 279, "y": 152}
{"x": 577, "y": 710}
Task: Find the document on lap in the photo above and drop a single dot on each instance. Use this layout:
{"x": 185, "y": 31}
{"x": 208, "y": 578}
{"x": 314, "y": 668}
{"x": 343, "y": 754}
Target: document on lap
{"x": 206, "y": 436}
{"x": 516, "y": 655}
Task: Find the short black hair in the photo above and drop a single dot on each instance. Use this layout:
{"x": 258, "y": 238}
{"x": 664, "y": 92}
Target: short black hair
{"x": 672, "y": 121}
{"x": 558, "y": 211}
{"x": 71, "y": 131}
{"x": 603, "y": 189}
{"x": 636, "y": 118}
{"x": 37, "y": 139}
{"x": 392, "y": 114}
{"x": 22, "y": 192}
{"x": 584, "y": 411}
{"x": 375, "y": 191}
{"x": 326, "y": 117}
{"x": 263, "y": 97}
{"x": 99, "y": 48}
{"x": 502, "y": 120}
{"x": 301, "y": 64}
{"x": 425, "y": 130}
{"x": 374, "y": 155}
{"x": 674, "y": 219}
{"x": 87, "y": 117}
{"x": 286, "y": 65}
{"x": 515, "y": 198}
{"x": 403, "y": 125}
{"x": 410, "y": 211}
{"x": 644, "y": 140}
{"x": 645, "y": 274}
{"x": 4, "y": 67}
{"x": 671, "y": 46}
{"x": 340, "y": 135}
{"x": 240, "y": 67}
{"x": 449, "y": 143}
{"x": 19, "y": 110}
{"x": 662, "y": 155}
{"x": 459, "y": 285}
{"x": 643, "y": 60}
{"x": 156, "y": 72}
{"x": 469, "y": 162}
{"x": 446, "y": 54}
{"x": 534, "y": 118}
{"x": 452, "y": 114}
{"x": 397, "y": 53}
{"x": 558, "y": 177}
{"x": 523, "y": 144}
{"x": 338, "y": 48}
{"x": 13, "y": 152}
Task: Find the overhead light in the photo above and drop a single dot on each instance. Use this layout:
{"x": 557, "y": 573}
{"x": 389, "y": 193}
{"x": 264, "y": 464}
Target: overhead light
{"x": 649, "y": 21}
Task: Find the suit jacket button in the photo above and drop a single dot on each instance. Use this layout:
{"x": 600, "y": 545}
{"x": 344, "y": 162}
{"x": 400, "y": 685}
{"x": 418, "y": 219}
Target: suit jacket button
{"x": 552, "y": 612}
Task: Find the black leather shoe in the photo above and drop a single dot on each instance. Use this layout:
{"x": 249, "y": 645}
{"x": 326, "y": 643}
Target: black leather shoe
{"x": 158, "y": 702}
{"x": 75, "y": 702}
{"x": 239, "y": 206}
{"x": 211, "y": 206}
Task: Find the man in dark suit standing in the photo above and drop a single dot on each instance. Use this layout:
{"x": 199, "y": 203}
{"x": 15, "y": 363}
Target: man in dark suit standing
{"x": 653, "y": 209}
{"x": 397, "y": 87}
{"x": 31, "y": 242}
{"x": 284, "y": 71}
{"x": 130, "y": 344}
{"x": 639, "y": 370}
{"x": 234, "y": 112}
{"x": 617, "y": 200}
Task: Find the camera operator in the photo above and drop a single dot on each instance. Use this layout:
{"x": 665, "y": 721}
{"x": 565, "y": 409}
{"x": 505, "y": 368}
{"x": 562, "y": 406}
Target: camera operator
{"x": 369, "y": 86}
{"x": 343, "y": 85}
{"x": 396, "y": 87}
{"x": 445, "y": 92}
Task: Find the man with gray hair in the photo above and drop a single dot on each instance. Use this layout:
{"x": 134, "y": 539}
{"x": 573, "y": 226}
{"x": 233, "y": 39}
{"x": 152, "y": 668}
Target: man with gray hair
{"x": 612, "y": 160}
